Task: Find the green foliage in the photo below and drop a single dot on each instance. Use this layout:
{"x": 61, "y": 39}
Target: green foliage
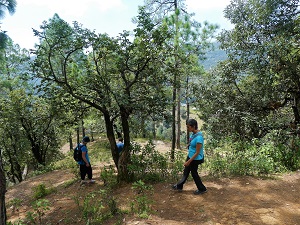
{"x": 147, "y": 163}
{"x": 3, "y": 39}
{"x": 214, "y": 57}
{"x": 287, "y": 150}
{"x": 109, "y": 177}
{"x": 15, "y": 204}
{"x": 176, "y": 167}
{"x": 14, "y": 65}
{"x": 142, "y": 202}
{"x": 41, "y": 191}
{"x": 91, "y": 206}
{"x": 164, "y": 133}
{"x": 251, "y": 93}
{"x": 100, "y": 151}
{"x": 66, "y": 162}
{"x": 19, "y": 222}
{"x": 258, "y": 157}
{"x": 7, "y": 5}
{"x": 41, "y": 170}
{"x": 40, "y": 208}
{"x": 98, "y": 206}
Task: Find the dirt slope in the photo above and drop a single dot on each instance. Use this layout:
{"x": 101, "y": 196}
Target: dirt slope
{"x": 241, "y": 200}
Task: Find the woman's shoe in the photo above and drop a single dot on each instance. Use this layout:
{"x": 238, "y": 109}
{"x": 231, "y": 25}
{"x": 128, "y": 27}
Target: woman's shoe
{"x": 175, "y": 187}
{"x": 198, "y": 192}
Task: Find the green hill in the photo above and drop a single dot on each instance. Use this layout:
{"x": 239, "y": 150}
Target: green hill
{"x": 213, "y": 57}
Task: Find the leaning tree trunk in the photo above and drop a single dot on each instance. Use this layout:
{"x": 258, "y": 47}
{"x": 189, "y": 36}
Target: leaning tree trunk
{"x": 125, "y": 156}
{"x": 2, "y": 193}
{"x": 111, "y": 137}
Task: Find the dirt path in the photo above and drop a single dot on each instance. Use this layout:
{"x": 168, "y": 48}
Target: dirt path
{"x": 240, "y": 200}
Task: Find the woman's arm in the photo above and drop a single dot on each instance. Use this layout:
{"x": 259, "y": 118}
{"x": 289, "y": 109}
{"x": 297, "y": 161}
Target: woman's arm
{"x": 84, "y": 159}
{"x": 198, "y": 147}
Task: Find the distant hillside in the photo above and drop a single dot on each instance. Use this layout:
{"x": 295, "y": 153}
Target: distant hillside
{"x": 213, "y": 57}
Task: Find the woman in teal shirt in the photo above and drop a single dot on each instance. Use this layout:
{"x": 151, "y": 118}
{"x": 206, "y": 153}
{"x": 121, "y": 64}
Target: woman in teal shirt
{"x": 85, "y": 164}
{"x": 194, "y": 159}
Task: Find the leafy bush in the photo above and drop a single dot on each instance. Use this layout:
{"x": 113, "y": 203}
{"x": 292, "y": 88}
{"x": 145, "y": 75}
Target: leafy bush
{"x": 40, "y": 207}
{"x": 147, "y": 163}
{"x": 109, "y": 177}
{"x": 15, "y": 204}
{"x": 66, "y": 163}
{"x": 250, "y": 158}
{"x": 97, "y": 206}
{"x": 176, "y": 167}
{"x": 100, "y": 151}
{"x": 41, "y": 191}
{"x": 142, "y": 203}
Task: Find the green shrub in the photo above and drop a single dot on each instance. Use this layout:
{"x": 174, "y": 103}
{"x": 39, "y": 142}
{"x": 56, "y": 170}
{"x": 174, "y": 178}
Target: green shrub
{"x": 257, "y": 157}
{"x": 142, "y": 202}
{"x": 108, "y": 176}
{"x": 97, "y": 206}
{"x": 147, "y": 163}
{"x": 41, "y": 191}
{"x": 15, "y": 203}
{"x": 40, "y": 207}
{"x": 100, "y": 151}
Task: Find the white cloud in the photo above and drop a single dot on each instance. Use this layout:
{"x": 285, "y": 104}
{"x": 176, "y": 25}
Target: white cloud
{"x": 74, "y": 8}
{"x": 194, "y": 5}
{"x": 109, "y": 16}
{"x": 23, "y": 37}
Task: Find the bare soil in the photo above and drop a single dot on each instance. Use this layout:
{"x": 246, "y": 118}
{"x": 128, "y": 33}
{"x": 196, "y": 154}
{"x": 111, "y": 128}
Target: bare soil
{"x": 238, "y": 200}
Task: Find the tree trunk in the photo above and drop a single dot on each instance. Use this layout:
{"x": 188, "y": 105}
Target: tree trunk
{"x": 111, "y": 138}
{"x": 295, "y": 108}
{"x": 78, "y": 134}
{"x": 153, "y": 130}
{"x": 2, "y": 193}
{"x": 173, "y": 122}
{"x": 178, "y": 120}
{"x": 83, "y": 129}
{"x": 38, "y": 154}
{"x": 125, "y": 156}
{"x": 70, "y": 141}
{"x": 187, "y": 100}
{"x": 175, "y": 85}
{"x": 143, "y": 128}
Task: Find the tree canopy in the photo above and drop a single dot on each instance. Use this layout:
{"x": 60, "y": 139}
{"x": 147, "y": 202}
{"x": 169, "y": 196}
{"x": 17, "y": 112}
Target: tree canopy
{"x": 256, "y": 90}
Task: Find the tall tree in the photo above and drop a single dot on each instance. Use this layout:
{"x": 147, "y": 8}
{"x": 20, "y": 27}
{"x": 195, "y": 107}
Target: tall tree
{"x": 260, "y": 81}
{"x": 189, "y": 38}
{"x": 7, "y": 5}
{"x": 111, "y": 75}
{"x": 160, "y": 9}
{"x": 10, "y": 6}
{"x": 2, "y": 192}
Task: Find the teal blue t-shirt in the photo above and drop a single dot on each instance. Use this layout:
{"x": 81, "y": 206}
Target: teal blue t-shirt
{"x": 84, "y": 149}
{"x": 196, "y": 138}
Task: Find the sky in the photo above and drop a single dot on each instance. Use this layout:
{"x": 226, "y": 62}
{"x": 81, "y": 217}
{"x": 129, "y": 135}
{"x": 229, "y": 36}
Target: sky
{"x": 103, "y": 16}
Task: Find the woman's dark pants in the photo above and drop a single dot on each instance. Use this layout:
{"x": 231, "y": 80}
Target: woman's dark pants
{"x": 193, "y": 168}
{"x": 86, "y": 170}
